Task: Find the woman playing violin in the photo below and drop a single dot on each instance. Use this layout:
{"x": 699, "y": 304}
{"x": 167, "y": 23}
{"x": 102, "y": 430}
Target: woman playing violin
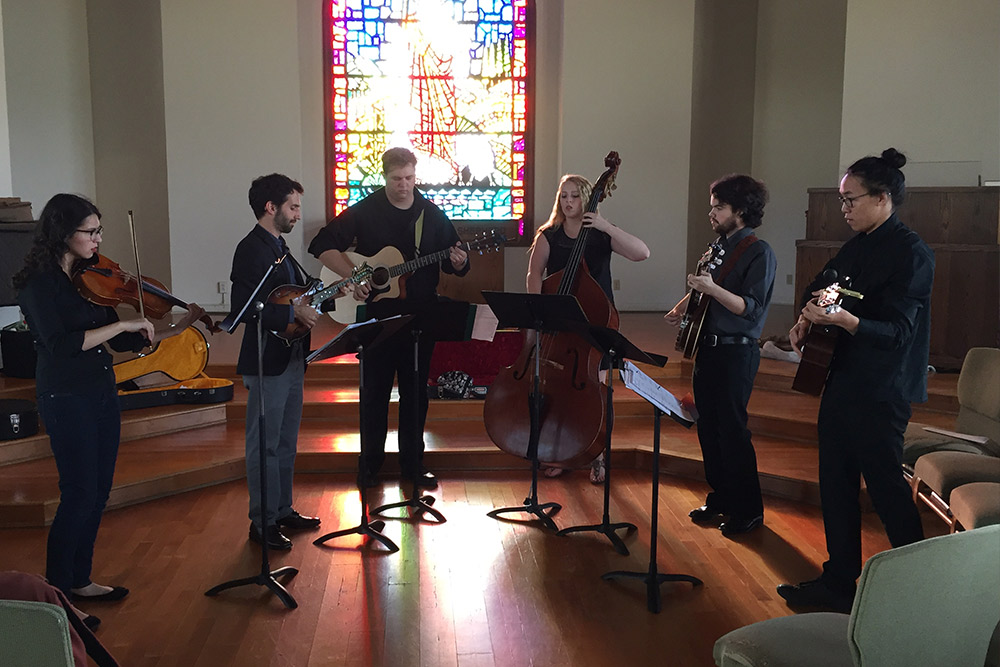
{"x": 75, "y": 384}
{"x": 553, "y": 244}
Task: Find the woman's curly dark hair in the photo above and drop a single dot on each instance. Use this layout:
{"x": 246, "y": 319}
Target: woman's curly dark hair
{"x": 60, "y": 218}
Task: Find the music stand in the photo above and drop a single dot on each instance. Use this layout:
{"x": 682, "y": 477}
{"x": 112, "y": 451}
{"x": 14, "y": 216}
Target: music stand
{"x": 663, "y": 402}
{"x": 439, "y": 321}
{"x": 254, "y": 308}
{"x": 361, "y": 338}
{"x": 616, "y": 348}
{"x": 540, "y": 312}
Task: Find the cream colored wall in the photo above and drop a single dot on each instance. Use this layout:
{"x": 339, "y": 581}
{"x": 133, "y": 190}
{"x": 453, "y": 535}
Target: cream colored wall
{"x": 924, "y": 76}
{"x": 48, "y": 99}
{"x": 796, "y": 119}
{"x": 626, "y": 82}
{"x": 5, "y": 174}
{"x": 232, "y": 109}
{"x": 130, "y": 159}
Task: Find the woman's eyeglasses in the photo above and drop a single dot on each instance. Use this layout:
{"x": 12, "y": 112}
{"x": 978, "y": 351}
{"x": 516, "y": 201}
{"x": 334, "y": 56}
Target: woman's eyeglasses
{"x": 96, "y": 231}
{"x": 848, "y": 202}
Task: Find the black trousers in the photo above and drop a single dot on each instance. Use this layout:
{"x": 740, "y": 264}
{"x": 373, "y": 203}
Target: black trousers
{"x": 393, "y": 360}
{"x": 723, "y": 380}
{"x": 861, "y": 437}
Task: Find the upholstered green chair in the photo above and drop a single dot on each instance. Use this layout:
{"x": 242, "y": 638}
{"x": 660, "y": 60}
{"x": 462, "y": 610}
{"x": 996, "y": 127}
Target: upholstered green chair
{"x": 935, "y": 603}
{"x": 978, "y": 411}
{"x": 33, "y": 634}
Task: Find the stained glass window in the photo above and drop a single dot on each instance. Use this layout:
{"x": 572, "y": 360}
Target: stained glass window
{"x": 448, "y": 79}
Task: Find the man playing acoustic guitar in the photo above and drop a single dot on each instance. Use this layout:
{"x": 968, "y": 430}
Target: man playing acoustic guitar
{"x": 397, "y": 215}
{"x": 728, "y": 355}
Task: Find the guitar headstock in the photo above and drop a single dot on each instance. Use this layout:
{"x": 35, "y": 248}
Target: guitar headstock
{"x": 606, "y": 182}
{"x": 486, "y": 241}
{"x": 712, "y": 258}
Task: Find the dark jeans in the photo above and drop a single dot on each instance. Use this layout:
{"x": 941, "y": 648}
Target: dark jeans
{"x": 394, "y": 359}
{"x": 84, "y": 431}
{"x": 861, "y": 437}
{"x": 723, "y": 380}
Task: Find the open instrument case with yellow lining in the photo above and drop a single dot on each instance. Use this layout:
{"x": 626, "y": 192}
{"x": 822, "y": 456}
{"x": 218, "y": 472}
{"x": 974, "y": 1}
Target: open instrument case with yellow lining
{"x": 181, "y": 358}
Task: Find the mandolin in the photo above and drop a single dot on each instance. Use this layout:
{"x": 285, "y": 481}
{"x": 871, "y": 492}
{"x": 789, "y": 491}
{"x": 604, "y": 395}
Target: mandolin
{"x": 315, "y": 296}
{"x": 387, "y": 271}
{"x": 694, "y": 316}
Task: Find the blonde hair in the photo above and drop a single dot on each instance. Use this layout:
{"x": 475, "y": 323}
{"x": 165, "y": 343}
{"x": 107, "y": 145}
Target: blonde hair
{"x": 557, "y": 217}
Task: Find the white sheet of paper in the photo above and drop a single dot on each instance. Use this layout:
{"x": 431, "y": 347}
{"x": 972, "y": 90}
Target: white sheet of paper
{"x": 961, "y": 436}
{"x": 648, "y": 388}
{"x": 484, "y": 326}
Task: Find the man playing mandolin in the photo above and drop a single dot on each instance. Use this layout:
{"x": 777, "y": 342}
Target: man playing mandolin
{"x": 728, "y": 356}
{"x": 276, "y": 201}
{"x": 399, "y": 216}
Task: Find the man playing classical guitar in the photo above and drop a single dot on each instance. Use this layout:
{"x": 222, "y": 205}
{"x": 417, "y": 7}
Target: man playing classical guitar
{"x": 728, "y": 355}
{"x": 397, "y": 215}
{"x": 276, "y": 201}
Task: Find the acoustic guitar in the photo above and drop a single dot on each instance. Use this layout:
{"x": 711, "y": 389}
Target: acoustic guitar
{"x": 315, "y": 296}
{"x": 388, "y": 272}
{"x": 819, "y": 343}
{"x": 689, "y": 333}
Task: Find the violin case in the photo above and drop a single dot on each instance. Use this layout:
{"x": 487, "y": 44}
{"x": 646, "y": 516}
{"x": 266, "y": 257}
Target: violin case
{"x": 181, "y": 358}
{"x": 18, "y": 418}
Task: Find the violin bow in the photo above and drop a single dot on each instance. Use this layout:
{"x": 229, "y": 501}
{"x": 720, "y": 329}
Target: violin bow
{"x": 138, "y": 272}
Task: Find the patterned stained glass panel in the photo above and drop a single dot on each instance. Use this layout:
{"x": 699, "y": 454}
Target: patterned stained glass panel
{"x": 447, "y": 79}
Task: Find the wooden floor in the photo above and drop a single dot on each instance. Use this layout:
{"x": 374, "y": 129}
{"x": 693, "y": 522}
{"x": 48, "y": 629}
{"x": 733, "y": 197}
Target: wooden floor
{"x": 473, "y": 591}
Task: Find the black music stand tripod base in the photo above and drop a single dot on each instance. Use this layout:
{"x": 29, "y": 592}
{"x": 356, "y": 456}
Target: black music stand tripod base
{"x": 416, "y": 502}
{"x": 268, "y": 579}
{"x": 366, "y": 528}
{"x": 652, "y": 578}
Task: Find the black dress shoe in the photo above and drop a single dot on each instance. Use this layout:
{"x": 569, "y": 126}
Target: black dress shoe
{"x": 296, "y": 521}
{"x": 114, "y": 595}
{"x": 816, "y": 593}
{"x": 275, "y": 540}
{"x": 735, "y": 526}
{"x": 705, "y": 514}
{"x": 425, "y": 479}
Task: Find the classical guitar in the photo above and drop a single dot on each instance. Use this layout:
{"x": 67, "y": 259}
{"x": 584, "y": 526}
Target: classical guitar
{"x": 694, "y": 316}
{"x": 314, "y": 296}
{"x": 388, "y": 272}
{"x": 819, "y": 343}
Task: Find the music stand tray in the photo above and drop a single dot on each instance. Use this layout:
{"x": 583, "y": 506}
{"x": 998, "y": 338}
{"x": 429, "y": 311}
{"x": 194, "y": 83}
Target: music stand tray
{"x": 359, "y": 339}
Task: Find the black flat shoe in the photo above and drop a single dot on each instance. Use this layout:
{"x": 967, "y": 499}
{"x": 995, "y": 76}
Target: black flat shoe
{"x": 296, "y": 521}
{"x": 114, "y": 595}
{"x": 426, "y": 479}
{"x": 91, "y": 622}
{"x": 816, "y": 594}
{"x": 275, "y": 539}
{"x": 741, "y": 526}
{"x": 705, "y": 514}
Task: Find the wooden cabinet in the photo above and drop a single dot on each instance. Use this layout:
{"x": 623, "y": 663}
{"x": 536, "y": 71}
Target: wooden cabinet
{"x": 962, "y": 227}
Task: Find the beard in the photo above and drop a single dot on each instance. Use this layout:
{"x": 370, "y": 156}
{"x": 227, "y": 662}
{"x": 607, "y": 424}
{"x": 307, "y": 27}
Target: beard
{"x": 283, "y": 224}
{"x": 726, "y": 228}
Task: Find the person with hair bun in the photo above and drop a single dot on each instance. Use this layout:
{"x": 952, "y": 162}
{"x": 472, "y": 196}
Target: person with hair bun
{"x": 879, "y": 368}
{"x": 728, "y": 353}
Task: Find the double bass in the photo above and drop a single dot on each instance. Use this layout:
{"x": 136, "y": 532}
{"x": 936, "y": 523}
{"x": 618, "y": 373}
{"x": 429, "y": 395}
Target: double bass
{"x": 572, "y": 415}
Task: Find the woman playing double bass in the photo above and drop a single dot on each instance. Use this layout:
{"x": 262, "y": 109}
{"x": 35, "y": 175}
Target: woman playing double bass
{"x": 554, "y": 242}
{"x": 75, "y": 384}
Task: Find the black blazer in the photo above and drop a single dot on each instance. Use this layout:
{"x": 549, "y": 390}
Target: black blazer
{"x": 254, "y": 254}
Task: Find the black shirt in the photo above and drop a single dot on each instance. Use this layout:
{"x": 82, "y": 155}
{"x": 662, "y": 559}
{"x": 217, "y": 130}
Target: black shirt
{"x": 597, "y": 255}
{"x": 374, "y": 223}
{"x": 886, "y": 359}
{"x": 58, "y": 318}
{"x": 752, "y": 277}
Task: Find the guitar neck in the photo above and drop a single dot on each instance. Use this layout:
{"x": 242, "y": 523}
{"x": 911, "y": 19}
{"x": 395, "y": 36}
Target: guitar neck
{"x": 422, "y": 261}
{"x": 325, "y": 293}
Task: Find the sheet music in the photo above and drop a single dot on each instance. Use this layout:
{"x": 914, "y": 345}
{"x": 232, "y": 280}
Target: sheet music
{"x": 485, "y": 324}
{"x": 978, "y": 439}
{"x": 648, "y": 388}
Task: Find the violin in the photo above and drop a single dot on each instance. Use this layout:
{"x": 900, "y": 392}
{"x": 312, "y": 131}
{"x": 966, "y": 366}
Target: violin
{"x": 105, "y": 283}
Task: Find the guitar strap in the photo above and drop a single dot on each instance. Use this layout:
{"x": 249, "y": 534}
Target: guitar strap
{"x": 305, "y": 274}
{"x": 418, "y": 233}
{"x": 730, "y": 264}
